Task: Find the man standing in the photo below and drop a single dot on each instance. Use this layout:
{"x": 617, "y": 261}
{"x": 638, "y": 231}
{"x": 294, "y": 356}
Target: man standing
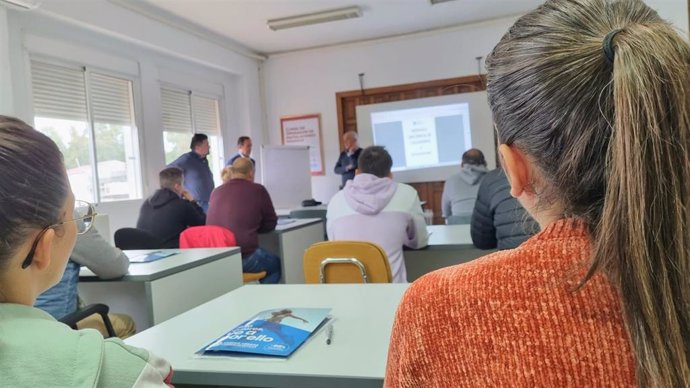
{"x": 198, "y": 178}
{"x": 347, "y": 161}
{"x": 460, "y": 190}
{"x": 246, "y": 209}
{"x": 170, "y": 210}
{"x": 244, "y": 150}
{"x": 374, "y": 208}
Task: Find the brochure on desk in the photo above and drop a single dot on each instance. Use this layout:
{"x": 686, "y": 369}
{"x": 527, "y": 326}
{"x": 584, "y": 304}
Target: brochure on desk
{"x": 276, "y": 332}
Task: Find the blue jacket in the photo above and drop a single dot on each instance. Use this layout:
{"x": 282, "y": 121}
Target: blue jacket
{"x": 198, "y": 178}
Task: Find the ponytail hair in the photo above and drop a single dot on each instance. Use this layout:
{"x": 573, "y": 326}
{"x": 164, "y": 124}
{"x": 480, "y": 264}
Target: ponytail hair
{"x": 611, "y": 141}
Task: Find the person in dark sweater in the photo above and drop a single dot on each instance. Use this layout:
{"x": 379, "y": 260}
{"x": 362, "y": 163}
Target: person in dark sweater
{"x": 170, "y": 210}
{"x": 347, "y": 161}
{"x": 246, "y": 209}
{"x": 498, "y": 219}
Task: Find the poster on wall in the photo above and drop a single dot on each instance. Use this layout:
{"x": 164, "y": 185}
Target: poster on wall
{"x": 305, "y": 130}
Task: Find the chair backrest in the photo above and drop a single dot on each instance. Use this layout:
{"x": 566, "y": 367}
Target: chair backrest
{"x": 459, "y": 220}
{"x": 333, "y": 262}
{"x": 133, "y": 238}
{"x": 207, "y": 236}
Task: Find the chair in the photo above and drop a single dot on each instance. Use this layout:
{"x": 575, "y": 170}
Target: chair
{"x": 346, "y": 262}
{"x": 96, "y": 308}
{"x": 213, "y": 236}
{"x": 133, "y": 238}
{"x": 459, "y": 220}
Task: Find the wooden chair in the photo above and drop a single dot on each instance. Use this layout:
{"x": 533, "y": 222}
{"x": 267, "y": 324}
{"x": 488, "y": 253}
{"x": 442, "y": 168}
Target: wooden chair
{"x": 87, "y": 311}
{"x": 346, "y": 262}
{"x": 213, "y": 236}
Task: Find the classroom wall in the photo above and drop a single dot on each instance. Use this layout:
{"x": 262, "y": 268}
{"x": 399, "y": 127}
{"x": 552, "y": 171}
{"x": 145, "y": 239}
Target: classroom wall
{"x": 100, "y": 34}
{"x": 306, "y": 81}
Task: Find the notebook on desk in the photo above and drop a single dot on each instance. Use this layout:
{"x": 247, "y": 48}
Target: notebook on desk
{"x": 150, "y": 256}
{"x": 283, "y": 221}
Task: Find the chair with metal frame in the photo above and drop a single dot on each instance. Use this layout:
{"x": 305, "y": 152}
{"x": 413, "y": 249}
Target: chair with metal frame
{"x": 346, "y": 262}
{"x": 72, "y": 319}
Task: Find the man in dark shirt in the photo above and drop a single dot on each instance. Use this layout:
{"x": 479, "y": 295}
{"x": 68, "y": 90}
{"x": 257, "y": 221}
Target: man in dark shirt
{"x": 170, "y": 210}
{"x": 244, "y": 150}
{"x": 198, "y": 178}
{"x": 246, "y": 209}
{"x": 347, "y": 161}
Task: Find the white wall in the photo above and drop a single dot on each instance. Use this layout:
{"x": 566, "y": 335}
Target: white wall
{"x": 102, "y": 35}
{"x": 306, "y": 82}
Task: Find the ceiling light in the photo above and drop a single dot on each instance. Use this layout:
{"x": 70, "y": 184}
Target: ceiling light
{"x": 434, "y": 2}
{"x": 22, "y": 4}
{"x": 314, "y": 18}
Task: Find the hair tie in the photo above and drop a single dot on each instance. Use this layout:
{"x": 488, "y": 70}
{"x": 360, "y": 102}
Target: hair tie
{"x": 608, "y": 49}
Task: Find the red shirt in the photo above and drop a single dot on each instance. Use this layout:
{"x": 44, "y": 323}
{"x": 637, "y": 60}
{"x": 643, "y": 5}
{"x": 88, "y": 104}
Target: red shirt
{"x": 245, "y": 208}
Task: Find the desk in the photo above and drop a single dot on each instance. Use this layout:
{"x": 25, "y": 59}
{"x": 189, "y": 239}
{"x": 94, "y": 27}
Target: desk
{"x": 284, "y": 212}
{"x": 289, "y": 241}
{"x": 153, "y": 292}
{"x": 363, "y": 318}
{"x": 448, "y": 245}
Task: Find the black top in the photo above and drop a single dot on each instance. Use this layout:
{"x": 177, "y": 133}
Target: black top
{"x": 345, "y": 160}
{"x": 165, "y": 215}
{"x": 498, "y": 219}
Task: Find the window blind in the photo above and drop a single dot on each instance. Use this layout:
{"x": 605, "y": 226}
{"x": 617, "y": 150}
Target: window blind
{"x": 176, "y": 111}
{"x": 111, "y": 100}
{"x": 58, "y": 92}
{"x": 205, "y": 114}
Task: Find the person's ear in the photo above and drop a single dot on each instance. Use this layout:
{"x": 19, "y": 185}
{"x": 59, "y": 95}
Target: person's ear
{"x": 517, "y": 169}
{"x": 44, "y": 249}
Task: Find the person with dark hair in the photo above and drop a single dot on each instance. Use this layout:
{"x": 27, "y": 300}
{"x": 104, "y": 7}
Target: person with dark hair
{"x": 372, "y": 207}
{"x": 244, "y": 150}
{"x": 460, "y": 190}
{"x": 39, "y": 224}
{"x": 591, "y": 105}
{"x": 198, "y": 178}
{"x": 347, "y": 161}
{"x": 246, "y": 209}
{"x": 498, "y": 219}
{"x": 170, "y": 210}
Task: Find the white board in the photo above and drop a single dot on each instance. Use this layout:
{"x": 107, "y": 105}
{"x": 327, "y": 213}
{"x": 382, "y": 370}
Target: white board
{"x": 286, "y": 174}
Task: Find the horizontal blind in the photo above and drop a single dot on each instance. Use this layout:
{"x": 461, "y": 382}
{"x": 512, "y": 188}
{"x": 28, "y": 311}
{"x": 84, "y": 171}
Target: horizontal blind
{"x": 111, "y": 99}
{"x": 58, "y": 92}
{"x": 176, "y": 109}
{"x": 205, "y": 114}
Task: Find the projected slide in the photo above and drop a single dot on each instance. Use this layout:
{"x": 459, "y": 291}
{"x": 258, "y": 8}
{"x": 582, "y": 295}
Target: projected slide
{"x": 423, "y": 137}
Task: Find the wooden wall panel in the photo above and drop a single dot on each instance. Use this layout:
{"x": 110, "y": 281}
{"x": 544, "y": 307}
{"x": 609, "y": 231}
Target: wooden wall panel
{"x": 348, "y": 101}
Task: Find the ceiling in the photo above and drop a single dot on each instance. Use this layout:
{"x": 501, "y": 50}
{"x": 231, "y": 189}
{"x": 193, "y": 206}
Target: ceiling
{"x": 243, "y": 22}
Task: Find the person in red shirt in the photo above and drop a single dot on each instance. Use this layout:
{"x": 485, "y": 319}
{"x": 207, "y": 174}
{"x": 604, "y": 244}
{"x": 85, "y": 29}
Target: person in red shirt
{"x": 246, "y": 209}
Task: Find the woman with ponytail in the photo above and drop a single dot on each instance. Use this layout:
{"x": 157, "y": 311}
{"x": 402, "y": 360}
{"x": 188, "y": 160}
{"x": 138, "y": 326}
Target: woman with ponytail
{"x": 591, "y": 103}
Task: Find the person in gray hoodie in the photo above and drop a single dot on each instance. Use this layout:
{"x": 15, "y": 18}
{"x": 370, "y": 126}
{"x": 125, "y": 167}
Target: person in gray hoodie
{"x": 373, "y": 208}
{"x": 460, "y": 190}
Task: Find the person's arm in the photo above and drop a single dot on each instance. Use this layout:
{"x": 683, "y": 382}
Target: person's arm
{"x": 194, "y": 214}
{"x": 418, "y": 237}
{"x": 446, "y": 210}
{"x": 269, "y": 219}
{"x": 339, "y": 168}
{"x": 94, "y": 252}
{"x": 482, "y": 227}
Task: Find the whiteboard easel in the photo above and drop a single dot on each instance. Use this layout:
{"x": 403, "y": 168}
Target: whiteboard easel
{"x": 286, "y": 174}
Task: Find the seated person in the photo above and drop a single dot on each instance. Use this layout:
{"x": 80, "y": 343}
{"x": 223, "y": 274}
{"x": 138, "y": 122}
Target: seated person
{"x": 460, "y": 190}
{"x": 170, "y": 210}
{"x": 39, "y": 225}
{"x": 498, "y": 220}
{"x": 107, "y": 262}
{"x": 246, "y": 209}
{"x": 373, "y": 208}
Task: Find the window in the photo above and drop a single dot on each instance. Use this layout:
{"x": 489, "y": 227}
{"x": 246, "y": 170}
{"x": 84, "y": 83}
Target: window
{"x": 91, "y": 118}
{"x": 185, "y": 113}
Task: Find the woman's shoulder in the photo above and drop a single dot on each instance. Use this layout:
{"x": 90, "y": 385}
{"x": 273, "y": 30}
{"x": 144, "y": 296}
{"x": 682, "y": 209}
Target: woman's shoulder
{"x": 122, "y": 362}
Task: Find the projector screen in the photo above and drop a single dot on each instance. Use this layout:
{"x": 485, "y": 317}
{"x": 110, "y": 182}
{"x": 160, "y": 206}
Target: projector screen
{"x": 426, "y": 137}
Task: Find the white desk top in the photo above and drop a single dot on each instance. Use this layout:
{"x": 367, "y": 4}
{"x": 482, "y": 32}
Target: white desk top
{"x": 445, "y": 236}
{"x": 184, "y": 259}
{"x": 363, "y": 318}
{"x": 297, "y": 223}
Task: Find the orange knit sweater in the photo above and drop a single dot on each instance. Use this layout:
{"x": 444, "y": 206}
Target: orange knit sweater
{"x": 512, "y": 319}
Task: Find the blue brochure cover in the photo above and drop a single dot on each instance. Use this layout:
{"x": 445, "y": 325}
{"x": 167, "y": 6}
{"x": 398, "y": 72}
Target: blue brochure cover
{"x": 276, "y": 332}
{"x": 151, "y": 256}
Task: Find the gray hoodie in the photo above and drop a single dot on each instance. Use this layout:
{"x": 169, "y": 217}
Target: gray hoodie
{"x": 460, "y": 191}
